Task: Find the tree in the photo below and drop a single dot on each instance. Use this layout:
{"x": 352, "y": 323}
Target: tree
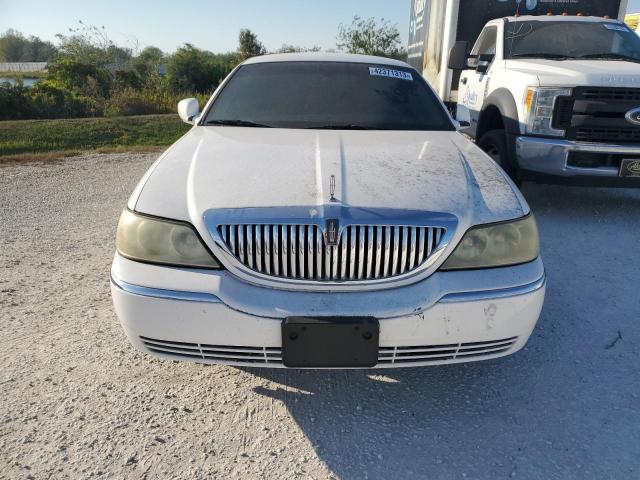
{"x": 249, "y": 46}
{"x": 88, "y": 44}
{"x": 366, "y": 36}
{"x": 151, "y": 55}
{"x": 14, "y": 47}
{"x": 190, "y": 69}
{"x": 286, "y": 48}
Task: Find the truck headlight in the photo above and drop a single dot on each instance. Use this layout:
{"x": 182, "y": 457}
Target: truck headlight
{"x": 157, "y": 240}
{"x": 496, "y": 245}
{"x": 538, "y": 104}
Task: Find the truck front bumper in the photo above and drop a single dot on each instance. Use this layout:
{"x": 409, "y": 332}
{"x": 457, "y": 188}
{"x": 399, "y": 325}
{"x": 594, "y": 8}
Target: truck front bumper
{"x": 547, "y": 160}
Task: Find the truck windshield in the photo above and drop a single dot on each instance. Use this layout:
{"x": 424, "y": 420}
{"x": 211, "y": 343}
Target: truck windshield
{"x": 571, "y": 40}
{"x": 328, "y": 95}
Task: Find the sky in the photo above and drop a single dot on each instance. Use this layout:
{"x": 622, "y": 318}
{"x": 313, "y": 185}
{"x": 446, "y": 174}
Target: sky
{"x": 210, "y": 25}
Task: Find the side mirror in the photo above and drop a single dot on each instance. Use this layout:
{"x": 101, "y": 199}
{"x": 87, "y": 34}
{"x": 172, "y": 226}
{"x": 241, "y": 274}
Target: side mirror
{"x": 483, "y": 63}
{"x": 188, "y": 109}
{"x": 458, "y": 56}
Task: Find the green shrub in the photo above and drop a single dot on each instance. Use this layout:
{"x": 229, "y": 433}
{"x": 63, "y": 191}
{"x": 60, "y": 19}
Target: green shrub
{"x": 131, "y": 102}
{"x": 15, "y": 103}
{"x": 51, "y": 101}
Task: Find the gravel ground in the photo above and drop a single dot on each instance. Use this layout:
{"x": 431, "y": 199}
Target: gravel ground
{"x": 78, "y": 401}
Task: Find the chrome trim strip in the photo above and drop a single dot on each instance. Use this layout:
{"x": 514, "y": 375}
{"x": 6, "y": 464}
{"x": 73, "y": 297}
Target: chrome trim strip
{"x": 369, "y": 250}
{"x": 293, "y": 250}
{"x": 164, "y": 294}
{"x": 302, "y": 249}
{"x": 387, "y": 250}
{"x": 343, "y": 257}
{"x": 376, "y": 273}
{"x": 267, "y": 249}
{"x": 259, "y": 248}
{"x": 494, "y": 294}
{"x": 412, "y": 250}
{"x": 395, "y": 249}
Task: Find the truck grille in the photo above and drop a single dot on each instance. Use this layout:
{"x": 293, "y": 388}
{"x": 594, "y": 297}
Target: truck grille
{"x": 611, "y": 93}
{"x": 597, "y": 114}
{"x": 363, "y": 252}
{"x": 615, "y": 135}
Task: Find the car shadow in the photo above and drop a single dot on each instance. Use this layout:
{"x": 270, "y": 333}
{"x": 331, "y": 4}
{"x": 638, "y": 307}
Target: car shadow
{"x": 410, "y": 423}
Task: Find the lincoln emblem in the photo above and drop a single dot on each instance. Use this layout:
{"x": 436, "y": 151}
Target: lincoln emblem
{"x": 331, "y": 227}
{"x": 332, "y": 188}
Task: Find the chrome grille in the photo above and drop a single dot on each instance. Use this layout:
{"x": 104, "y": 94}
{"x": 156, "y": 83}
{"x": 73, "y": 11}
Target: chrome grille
{"x": 363, "y": 252}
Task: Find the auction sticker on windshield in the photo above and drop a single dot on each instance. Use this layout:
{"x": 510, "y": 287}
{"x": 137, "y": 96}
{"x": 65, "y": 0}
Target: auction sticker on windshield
{"x": 386, "y": 72}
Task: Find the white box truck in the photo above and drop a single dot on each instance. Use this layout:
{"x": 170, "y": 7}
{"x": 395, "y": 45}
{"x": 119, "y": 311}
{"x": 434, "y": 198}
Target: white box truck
{"x": 549, "y": 88}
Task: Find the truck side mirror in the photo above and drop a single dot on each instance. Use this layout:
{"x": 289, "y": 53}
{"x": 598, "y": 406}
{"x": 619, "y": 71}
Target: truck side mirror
{"x": 483, "y": 62}
{"x": 458, "y": 56}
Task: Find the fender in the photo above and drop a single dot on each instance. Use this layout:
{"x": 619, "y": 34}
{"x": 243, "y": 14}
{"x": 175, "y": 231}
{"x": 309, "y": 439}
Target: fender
{"x": 503, "y": 100}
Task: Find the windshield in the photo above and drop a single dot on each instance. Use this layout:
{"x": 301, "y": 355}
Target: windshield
{"x": 331, "y": 95}
{"x": 569, "y": 40}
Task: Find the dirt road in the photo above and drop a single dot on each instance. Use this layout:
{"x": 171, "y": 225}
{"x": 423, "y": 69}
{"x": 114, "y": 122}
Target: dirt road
{"x": 77, "y": 401}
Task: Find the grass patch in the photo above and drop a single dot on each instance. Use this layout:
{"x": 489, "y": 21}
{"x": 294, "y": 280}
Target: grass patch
{"x": 24, "y": 138}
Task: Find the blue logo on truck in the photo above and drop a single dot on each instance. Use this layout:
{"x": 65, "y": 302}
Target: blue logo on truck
{"x": 530, "y": 4}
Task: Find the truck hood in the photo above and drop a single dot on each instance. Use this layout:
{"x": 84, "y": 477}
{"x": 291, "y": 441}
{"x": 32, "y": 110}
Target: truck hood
{"x": 235, "y": 168}
{"x": 597, "y": 73}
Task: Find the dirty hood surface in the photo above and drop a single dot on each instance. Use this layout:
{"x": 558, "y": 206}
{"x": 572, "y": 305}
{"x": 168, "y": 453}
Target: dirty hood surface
{"x": 234, "y": 167}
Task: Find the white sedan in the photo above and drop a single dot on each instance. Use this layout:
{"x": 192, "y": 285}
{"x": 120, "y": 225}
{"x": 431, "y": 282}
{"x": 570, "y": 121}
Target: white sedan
{"x": 323, "y": 212}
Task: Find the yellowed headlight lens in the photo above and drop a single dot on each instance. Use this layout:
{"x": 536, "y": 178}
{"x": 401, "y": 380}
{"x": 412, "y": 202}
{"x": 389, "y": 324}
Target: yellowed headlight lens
{"x": 154, "y": 240}
{"x": 498, "y": 245}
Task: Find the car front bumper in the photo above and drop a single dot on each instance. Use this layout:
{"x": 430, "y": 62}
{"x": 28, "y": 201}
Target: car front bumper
{"x": 212, "y": 317}
{"x": 546, "y": 160}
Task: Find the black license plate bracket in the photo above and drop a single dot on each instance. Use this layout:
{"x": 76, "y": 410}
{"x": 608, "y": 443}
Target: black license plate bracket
{"x": 330, "y": 342}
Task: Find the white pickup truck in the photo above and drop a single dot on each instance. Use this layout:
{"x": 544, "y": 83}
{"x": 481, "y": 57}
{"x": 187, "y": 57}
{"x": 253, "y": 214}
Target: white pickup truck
{"x": 552, "y": 97}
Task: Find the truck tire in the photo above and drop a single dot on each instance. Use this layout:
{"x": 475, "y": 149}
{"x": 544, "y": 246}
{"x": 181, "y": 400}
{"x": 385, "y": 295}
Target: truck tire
{"x": 494, "y": 143}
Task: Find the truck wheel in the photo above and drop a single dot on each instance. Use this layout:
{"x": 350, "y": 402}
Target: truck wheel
{"x": 494, "y": 143}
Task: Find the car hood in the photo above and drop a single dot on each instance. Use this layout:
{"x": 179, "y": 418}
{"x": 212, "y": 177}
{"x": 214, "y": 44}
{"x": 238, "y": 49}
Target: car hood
{"x": 597, "y": 73}
{"x": 237, "y": 168}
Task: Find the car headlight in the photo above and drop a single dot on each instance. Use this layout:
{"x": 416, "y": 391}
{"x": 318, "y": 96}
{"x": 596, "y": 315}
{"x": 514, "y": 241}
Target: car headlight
{"x": 539, "y": 103}
{"x": 156, "y": 240}
{"x": 497, "y": 245}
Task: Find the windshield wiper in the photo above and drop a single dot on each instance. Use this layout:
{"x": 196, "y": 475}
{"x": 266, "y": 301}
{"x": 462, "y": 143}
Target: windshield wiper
{"x": 610, "y": 56}
{"x": 237, "y": 123}
{"x": 340, "y": 126}
{"x": 551, "y": 56}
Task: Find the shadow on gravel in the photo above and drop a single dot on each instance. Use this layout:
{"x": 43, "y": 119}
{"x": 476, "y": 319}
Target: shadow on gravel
{"x": 436, "y": 422}
{"x": 553, "y": 410}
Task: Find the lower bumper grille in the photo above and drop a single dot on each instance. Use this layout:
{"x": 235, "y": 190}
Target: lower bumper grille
{"x": 438, "y": 353}
{"x": 272, "y": 356}
{"x": 264, "y": 355}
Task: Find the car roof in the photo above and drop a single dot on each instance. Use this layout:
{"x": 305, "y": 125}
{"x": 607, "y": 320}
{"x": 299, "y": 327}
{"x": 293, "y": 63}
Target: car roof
{"x": 325, "y": 57}
{"x": 560, "y": 18}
